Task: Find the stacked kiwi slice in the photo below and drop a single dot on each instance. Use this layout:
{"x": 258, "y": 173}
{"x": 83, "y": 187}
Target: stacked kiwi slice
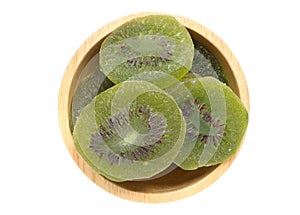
{"x": 155, "y": 99}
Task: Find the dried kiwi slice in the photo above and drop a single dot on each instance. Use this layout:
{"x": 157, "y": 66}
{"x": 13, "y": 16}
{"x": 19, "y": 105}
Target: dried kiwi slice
{"x": 206, "y": 64}
{"x": 131, "y": 131}
{"x": 87, "y": 89}
{"x": 216, "y": 121}
{"x": 147, "y": 44}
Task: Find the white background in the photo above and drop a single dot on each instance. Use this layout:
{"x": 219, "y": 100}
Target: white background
{"x": 37, "y": 40}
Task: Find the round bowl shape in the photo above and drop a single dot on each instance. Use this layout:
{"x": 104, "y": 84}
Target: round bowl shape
{"x": 178, "y": 183}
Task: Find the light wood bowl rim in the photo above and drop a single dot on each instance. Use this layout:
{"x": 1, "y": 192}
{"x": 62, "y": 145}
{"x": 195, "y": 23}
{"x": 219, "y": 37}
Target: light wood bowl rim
{"x": 64, "y": 102}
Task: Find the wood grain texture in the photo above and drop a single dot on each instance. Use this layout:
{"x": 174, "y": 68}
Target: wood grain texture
{"x": 178, "y": 184}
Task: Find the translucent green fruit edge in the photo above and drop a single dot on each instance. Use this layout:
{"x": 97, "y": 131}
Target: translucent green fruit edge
{"x": 90, "y": 86}
{"x": 223, "y": 104}
{"x": 145, "y": 45}
{"x": 112, "y": 102}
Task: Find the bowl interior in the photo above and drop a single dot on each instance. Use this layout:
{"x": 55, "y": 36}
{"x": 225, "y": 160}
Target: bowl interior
{"x": 177, "y": 178}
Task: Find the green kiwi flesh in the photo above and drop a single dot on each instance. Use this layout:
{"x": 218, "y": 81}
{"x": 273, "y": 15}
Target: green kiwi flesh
{"x": 134, "y": 130}
{"x": 147, "y": 44}
{"x": 216, "y": 121}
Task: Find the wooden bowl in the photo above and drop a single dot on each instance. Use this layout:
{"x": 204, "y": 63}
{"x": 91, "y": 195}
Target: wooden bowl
{"x": 177, "y": 184}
